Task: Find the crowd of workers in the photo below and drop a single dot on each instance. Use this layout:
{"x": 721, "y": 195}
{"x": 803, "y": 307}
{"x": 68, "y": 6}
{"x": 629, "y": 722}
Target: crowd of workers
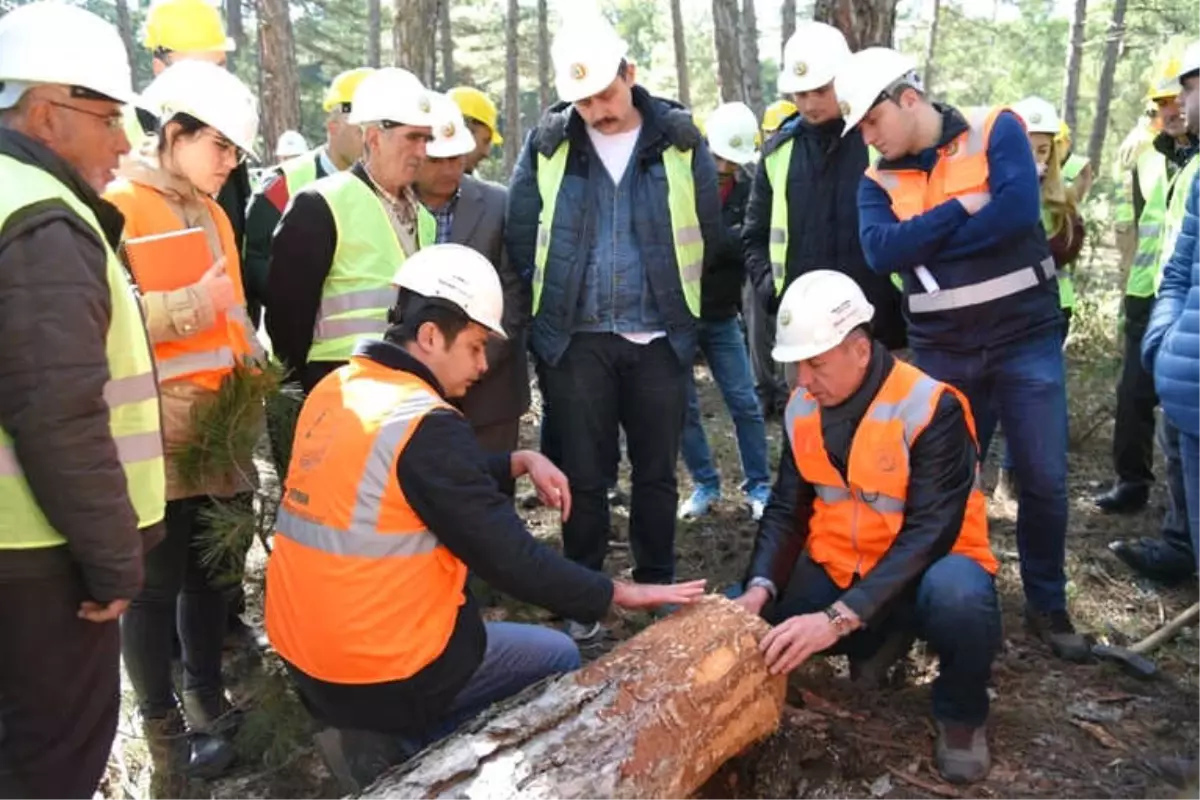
{"x": 890, "y": 275}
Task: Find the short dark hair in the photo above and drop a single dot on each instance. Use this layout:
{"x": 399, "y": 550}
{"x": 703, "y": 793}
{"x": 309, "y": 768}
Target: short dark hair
{"x": 413, "y": 310}
{"x": 188, "y": 126}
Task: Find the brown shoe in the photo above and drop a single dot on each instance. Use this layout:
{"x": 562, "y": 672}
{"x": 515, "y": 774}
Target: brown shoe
{"x": 961, "y": 752}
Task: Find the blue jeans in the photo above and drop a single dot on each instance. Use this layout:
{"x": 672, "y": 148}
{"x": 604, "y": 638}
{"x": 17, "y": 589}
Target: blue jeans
{"x": 517, "y": 656}
{"x": 724, "y": 348}
{"x": 1022, "y": 385}
{"x": 1189, "y": 453}
{"x": 953, "y": 607}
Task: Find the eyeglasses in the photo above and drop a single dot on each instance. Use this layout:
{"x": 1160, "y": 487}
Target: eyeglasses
{"x": 227, "y": 147}
{"x": 114, "y": 122}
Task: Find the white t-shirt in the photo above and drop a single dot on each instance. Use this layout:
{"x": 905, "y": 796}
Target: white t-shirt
{"x": 614, "y": 149}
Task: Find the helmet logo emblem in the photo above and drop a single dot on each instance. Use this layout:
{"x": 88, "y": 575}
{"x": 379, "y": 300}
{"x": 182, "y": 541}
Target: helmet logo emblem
{"x": 736, "y": 142}
{"x": 844, "y": 107}
{"x": 800, "y": 69}
{"x": 578, "y": 71}
{"x": 448, "y": 130}
{"x": 1035, "y": 117}
{"x": 423, "y": 104}
{"x": 785, "y": 317}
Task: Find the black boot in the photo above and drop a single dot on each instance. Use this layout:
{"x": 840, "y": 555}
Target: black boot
{"x": 1123, "y": 498}
{"x": 214, "y": 722}
{"x": 1056, "y": 630}
{"x": 357, "y": 757}
{"x": 1156, "y": 559}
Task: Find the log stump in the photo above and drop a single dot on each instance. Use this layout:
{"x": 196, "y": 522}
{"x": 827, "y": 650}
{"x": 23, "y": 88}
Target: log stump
{"x": 656, "y": 717}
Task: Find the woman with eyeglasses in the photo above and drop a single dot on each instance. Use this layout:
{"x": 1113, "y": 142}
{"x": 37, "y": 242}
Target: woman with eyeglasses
{"x": 195, "y": 313}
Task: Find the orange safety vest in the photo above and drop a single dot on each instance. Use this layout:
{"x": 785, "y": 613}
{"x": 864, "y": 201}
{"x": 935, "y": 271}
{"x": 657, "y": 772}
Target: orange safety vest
{"x": 358, "y": 589}
{"x": 852, "y": 526}
{"x": 205, "y": 357}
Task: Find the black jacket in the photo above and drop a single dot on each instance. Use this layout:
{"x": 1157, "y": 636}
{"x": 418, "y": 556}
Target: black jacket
{"x": 942, "y": 467}
{"x": 55, "y": 311}
{"x": 822, "y": 188}
{"x": 454, "y": 489}
{"x": 725, "y": 272}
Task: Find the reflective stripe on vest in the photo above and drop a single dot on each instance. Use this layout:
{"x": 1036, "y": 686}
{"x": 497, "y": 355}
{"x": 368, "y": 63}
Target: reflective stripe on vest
{"x": 853, "y": 524}
{"x": 681, "y": 204}
{"x": 358, "y": 589}
{"x": 961, "y": 169}
{"x": 358, "y": 290}
{"x": 1154, "y": 183}
{"x": 777, "y": 166}
{"x": 131, "y": 393}
{"x": 1176, "y": 211}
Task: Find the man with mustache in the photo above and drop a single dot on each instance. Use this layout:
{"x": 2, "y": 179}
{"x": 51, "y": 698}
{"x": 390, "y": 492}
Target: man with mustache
{"x": 340, "y": 241}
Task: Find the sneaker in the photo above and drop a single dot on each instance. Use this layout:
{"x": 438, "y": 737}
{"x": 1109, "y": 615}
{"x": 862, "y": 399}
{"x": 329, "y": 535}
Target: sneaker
{"x": 961, "y": 752}
{"x": 757, "y": 499}
{"x": 700, "y": 503}
{"x": 1055, "y": 629}
{"x": 584, "y": 632}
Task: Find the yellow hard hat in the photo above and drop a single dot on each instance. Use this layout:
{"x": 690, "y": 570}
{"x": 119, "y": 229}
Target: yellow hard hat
{"x": 776, "y": 113}
{"x": 185, "y": 26}
{"x": 476, "y": 105}
{"x": 1165, "y": 83}
{"x": 341, "y": 89}
{"x": 1063, "y": 137}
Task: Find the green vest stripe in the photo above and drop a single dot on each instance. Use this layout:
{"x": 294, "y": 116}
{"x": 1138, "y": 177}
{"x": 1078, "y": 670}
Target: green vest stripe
{"x": 358, "y": 290}
{"x": 681, "y": 204}
{"x": 131, "y": 392}
{"x": 1154, "y": 184}
{"x": 777, "y": 165}
{"x": 1176, "y": 211}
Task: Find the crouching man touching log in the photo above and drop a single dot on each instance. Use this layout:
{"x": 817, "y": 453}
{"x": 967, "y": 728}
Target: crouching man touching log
{"x": 388, "y": 502}
{"x": 877, "y": 530}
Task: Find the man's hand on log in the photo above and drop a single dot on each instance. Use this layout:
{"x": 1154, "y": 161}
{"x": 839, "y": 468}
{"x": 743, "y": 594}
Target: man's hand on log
{"x": 553, "y": 488}
{"x": 753, "y": 599}
{"x": 652, "y": 595}
{"x": 795, "y": 640}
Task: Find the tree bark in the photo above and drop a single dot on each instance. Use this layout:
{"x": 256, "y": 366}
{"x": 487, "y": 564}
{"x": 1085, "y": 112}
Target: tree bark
{"x": 866, "y": 23}
{"x": 726, "y": 23}
{"x": 656, "y": 717}
{"x": 1112, "y": 50}
{"x": 235, "y": 22}
{"x": 684, "y": 93}
{"x": 374, "y": 33}
{"x": 543, "y": 40}
{"x": 751, "y": 70}
{"x": 512, "y": 89}
{"x": 125, "y": 28}
{"x": 279, "y": 92}
{"x": 411, "y": 39}
{"x": 931, "y": 45}
{"x": 1070, "y": 100}
{"x": 787, "y": 24}
{"x": 446, "y": 39}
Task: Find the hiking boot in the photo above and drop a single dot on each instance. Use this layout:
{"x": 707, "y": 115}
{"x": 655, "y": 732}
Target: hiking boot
{"x": 961, "y": 752}
{"x": 1055, "y": 629}
{"x": 1123, "y": 498}
{"x": 357, "y": 757}
{"x": 874, "y": 672}
{"x": 1155, "y": 559}
{"x": 699, "y": 503}
{"x": 166, "y": 739}
{"x": 1006, "y": 490}
{"x": 214, "y": 722}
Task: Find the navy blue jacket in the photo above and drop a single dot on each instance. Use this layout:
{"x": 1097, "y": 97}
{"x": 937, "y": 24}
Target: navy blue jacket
{"x": 664, "y": 124}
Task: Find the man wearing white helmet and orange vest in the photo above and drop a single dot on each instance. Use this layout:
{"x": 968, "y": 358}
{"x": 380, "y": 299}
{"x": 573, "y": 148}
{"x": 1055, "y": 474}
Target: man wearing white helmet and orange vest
{"x": 82, "y": 482}
{"x": 877, "y": 530}
{"x": 802, "y": 213}
{"x": 389, "y": 501}
{"x": 343, "y": 236}
{"x": 953, "y": 205}
{"x": 613, "y": 212}
{"x": 470, "y": 211}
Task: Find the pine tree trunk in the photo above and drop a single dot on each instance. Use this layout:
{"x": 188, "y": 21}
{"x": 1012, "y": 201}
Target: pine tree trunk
{"x": 931, "y": 46}
{"x": 374, "y": 33}
{"x": 684, "y": 92}
{"x": 543, "y": 40}
{"x": 656, "y": 717}
{"x": 1104, "y": 92}
{"x": 751, "y": 70}
{"x": 125, "y": 28}
{"x": 411, "y": 37}
{"x": 512, "y": 89}
{"x": 1070, "y": 100}
{"x": 726, "y": 23}
{"x": 235, "y": 22}
{"x": 787, "y": 24}
{"x": 279, "y": 92}
{"x": 866, "y": 23}
{"x": 446, "y": 39}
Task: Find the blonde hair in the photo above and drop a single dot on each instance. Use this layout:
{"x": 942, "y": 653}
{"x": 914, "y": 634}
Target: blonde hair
{"x": 1058, "y": 199}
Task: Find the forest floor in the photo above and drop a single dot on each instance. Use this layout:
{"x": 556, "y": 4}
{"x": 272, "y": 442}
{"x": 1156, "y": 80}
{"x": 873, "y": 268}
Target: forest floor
{"x": 1056, "y": 729}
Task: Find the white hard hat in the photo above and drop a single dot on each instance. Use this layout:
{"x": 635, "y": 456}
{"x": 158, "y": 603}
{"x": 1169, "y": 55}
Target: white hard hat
{"x": 291, "y": 143}
{"x": 211, "y": 94}
{"x": 460, "y": 275}
{"x": 1039, "y": 115}
{"x": 61, "y": 44}
{"x": 451, "y": 136}
{"x": 817, "y": 311}
{"x": 1190, "y": 64}
{"x": 867, "y": 74}
{"x": 731, "y": 131}
{"x": 812, "y": 57}
{"x": 392, "y": 94}
{"x": 587, "y": 53}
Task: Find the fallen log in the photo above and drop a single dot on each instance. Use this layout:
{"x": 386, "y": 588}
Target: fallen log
{"x": 656, "y": 717}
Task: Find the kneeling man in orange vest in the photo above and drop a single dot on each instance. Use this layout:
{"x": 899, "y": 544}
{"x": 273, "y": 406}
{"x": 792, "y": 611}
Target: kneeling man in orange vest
{"x": 388, "y": 502}
{"x": 876, "y": 531}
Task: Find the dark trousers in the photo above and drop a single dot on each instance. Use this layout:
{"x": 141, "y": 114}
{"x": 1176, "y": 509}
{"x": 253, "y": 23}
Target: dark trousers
{"x": 953, "y": 607}
{"x": 499, "y": 437}
{"x": 176, "y": 571}
{"x": 1133, "y": 432}
{"x": 604, "y": 382}
{"x": 59, "y": 689}
{"x": 769, "y": 384}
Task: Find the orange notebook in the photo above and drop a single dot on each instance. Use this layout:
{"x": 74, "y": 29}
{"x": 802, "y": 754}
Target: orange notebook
{"x": 167, "y": 261}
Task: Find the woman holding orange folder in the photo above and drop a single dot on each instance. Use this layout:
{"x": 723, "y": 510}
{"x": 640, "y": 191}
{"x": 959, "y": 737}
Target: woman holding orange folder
{"x": 181, "y": 250}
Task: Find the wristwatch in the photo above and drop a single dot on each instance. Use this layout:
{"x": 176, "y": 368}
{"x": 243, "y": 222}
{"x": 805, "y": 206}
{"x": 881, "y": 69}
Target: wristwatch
{"x": 842, "y": 624}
